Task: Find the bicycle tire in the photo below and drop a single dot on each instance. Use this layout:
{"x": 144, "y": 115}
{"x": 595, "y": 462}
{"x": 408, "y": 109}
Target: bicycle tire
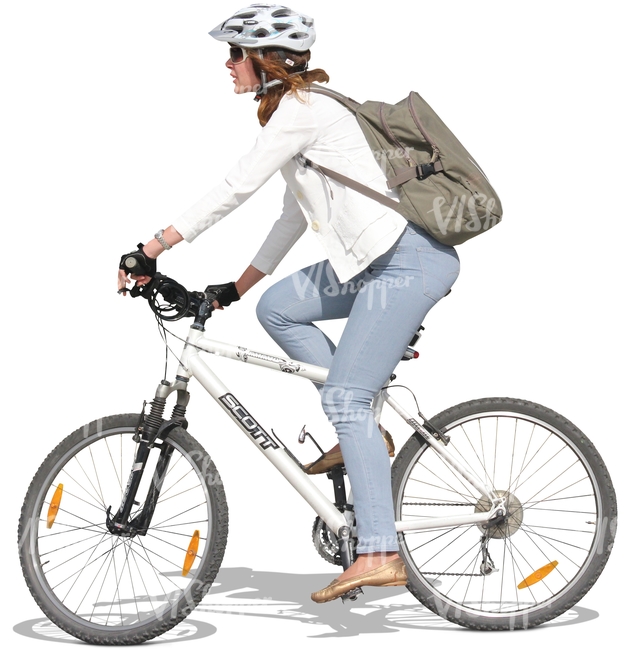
{"x": 107, "y": 589}
{"x": 555, "y": 541}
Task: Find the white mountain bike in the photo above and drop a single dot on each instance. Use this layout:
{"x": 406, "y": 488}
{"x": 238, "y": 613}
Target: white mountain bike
{"x": 505, "y": 511}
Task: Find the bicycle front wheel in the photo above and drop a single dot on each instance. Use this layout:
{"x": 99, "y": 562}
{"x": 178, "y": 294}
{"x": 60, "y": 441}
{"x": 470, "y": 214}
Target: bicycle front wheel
{"x": 102, "y": 587}
{"x": 554, "y": 540}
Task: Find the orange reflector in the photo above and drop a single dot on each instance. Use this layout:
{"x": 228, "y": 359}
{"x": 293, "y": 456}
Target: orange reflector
{"x": 538, "y": 575}
{"x": 55, "y": 502}
{"x": 190, "y": 556}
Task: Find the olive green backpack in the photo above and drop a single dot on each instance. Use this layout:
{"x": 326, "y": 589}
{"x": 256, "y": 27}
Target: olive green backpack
{"x": 441, "y": 187}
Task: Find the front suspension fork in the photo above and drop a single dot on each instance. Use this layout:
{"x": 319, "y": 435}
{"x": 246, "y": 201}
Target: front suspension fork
{"x": 149, "y": 428}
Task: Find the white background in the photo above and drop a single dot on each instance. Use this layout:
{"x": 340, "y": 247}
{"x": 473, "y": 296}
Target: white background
{"x": 117, "y": 116}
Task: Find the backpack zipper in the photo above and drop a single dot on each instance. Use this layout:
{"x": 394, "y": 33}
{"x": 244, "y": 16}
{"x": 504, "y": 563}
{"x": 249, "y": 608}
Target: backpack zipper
{"x": 417, "y": 121}
{"x": 393, "y": 138}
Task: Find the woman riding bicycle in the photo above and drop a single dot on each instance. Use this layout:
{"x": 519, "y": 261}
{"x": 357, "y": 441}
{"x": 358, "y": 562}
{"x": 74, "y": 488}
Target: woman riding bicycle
{"x": 382, "y": 273}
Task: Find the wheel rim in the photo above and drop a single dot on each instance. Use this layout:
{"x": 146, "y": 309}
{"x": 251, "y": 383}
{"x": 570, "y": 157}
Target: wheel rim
{"x": 544, "y": 545}
{"x": 106, "y": 582}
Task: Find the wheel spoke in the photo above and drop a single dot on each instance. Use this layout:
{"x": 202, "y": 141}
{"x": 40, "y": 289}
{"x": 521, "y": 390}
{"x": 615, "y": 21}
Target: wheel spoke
{"x": 98, "y": 582}
{"x": 535, "y": 461}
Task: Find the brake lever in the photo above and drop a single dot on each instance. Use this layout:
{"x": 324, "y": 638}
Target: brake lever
{"x": 181, "y": 301}
{"x": 146, "y": 289}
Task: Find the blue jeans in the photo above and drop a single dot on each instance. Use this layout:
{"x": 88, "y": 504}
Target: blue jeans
{"x": 384, "y": 305}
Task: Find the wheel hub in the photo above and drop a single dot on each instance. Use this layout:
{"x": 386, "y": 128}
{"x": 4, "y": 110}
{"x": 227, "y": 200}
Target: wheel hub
{"x": 512, "y": 519}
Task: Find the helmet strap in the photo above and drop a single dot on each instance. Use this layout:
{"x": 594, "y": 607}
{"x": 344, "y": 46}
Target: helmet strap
{"x": 265, "y": 84}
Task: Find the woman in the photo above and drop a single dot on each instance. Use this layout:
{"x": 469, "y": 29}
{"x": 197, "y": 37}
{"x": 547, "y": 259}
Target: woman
{"x": 382, "y": 273}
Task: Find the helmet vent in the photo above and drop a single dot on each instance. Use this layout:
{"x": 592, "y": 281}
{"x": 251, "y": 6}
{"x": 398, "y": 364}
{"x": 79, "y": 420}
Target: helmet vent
{"x": 284, "y": 12}
{"x": 271, "y": 25}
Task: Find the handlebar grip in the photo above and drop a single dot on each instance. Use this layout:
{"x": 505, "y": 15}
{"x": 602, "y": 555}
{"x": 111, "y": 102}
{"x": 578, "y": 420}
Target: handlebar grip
{"x": 138, "y": 263}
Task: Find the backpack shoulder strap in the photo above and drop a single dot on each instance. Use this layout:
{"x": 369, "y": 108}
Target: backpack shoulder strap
{"x": 354, "y": 185}
{"x": 351, "y": 104}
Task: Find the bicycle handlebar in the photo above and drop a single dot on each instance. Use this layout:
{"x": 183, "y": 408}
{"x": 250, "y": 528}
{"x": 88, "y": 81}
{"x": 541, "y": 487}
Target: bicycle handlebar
{"x": 176, "y": 301}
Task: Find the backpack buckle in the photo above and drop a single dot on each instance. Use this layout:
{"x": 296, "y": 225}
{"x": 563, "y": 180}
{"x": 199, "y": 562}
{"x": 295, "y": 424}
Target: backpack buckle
{"x": 417, "y": 171}
{"x": 423, "y": 171}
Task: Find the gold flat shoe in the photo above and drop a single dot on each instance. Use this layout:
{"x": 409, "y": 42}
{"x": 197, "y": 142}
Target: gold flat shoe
{"x": 390, "y": 444}
{"x": 324, "y": 463}
{"x": 332, "y": 458}
{"x": 391, "y": 574}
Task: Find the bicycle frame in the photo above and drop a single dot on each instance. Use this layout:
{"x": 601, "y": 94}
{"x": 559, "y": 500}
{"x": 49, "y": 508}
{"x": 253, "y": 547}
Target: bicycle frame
{"x": 192, "y": 365}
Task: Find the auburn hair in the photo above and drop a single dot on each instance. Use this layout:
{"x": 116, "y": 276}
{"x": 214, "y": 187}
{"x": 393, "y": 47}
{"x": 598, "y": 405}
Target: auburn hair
{"x": 294, "y": 77}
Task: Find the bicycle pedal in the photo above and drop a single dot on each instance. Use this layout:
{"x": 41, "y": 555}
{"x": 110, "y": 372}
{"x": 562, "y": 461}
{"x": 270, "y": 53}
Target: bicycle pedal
{"x": 352, "y": 595}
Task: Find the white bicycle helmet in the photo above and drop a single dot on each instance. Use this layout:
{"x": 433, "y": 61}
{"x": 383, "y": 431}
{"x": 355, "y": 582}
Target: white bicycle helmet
{"x": 261, "y": 25}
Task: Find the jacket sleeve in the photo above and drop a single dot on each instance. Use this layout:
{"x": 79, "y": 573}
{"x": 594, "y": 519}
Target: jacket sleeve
{"x": 282, "y": 236}
{"x": 291, "y": 128}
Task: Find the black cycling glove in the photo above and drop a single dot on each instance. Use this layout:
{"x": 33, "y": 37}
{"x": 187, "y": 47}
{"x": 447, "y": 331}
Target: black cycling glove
{"x": 225, "y": 294}
{"x": 138, "y": 263}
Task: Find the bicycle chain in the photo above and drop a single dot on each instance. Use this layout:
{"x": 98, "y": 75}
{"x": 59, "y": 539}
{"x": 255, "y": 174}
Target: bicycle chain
{"x": 436, "y": 573}
{"x": 420, "y": 503}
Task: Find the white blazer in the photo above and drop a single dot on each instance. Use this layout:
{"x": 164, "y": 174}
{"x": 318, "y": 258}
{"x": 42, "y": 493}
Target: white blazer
{"x": 353, "y": 229}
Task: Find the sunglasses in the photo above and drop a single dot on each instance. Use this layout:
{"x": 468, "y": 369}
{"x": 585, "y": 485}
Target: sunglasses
{"x": 237, "y": 54}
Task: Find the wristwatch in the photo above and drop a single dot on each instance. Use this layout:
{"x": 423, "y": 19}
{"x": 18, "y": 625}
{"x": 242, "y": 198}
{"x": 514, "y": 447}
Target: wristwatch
{"x": 159, "y": 236}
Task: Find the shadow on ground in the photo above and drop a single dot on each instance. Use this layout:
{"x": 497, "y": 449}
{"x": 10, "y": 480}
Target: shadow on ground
{"x": 242, "y": 591}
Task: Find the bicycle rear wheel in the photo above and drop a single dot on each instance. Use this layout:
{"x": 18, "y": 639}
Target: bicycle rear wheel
{"x": 557, "y": 534}
{"x": 104, "y": 588}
